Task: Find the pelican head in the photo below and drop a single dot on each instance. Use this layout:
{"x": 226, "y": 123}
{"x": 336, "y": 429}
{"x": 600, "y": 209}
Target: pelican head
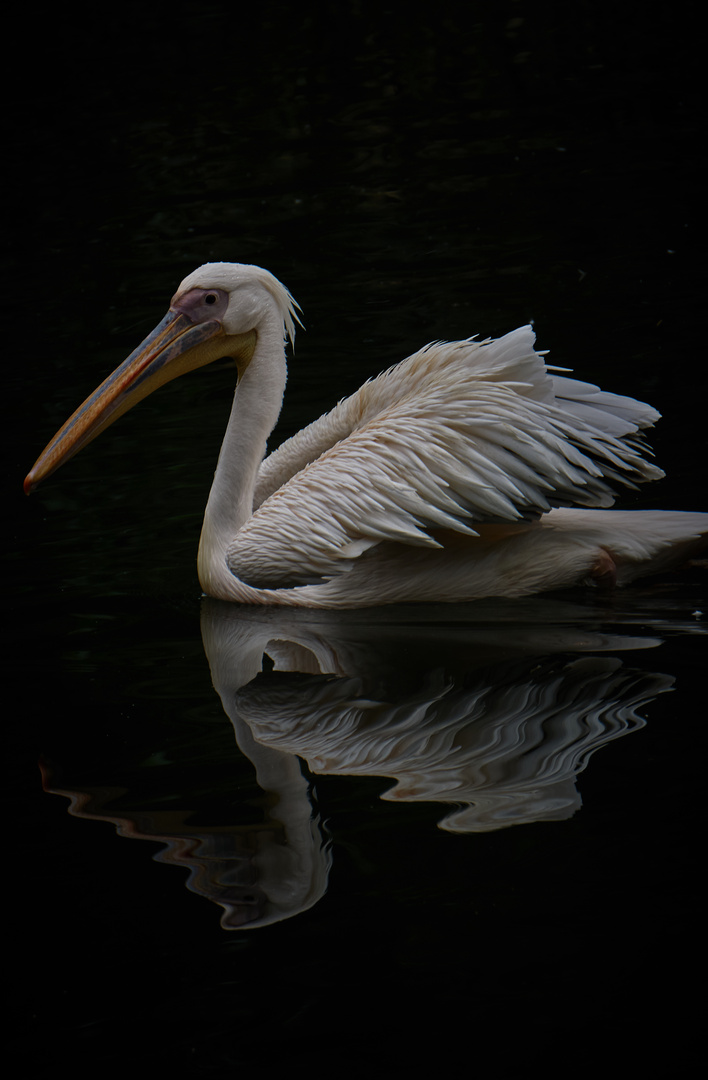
{"x": 218, "y": 311}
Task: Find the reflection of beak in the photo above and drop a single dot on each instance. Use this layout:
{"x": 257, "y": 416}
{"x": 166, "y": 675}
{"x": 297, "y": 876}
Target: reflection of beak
{"x": 175, "y": 346}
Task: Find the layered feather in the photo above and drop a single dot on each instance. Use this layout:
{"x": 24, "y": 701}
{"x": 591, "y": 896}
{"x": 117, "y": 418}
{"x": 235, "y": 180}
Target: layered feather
{"x": 458, "y": 434}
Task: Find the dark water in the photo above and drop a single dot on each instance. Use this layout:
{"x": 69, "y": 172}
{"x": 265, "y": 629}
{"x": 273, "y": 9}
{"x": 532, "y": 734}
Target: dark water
{"x": 408, "y": 181}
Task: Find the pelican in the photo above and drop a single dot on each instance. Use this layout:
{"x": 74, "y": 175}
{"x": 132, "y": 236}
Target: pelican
{"x": 469, "y": 470}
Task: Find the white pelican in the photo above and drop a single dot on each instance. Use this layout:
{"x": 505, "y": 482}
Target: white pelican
{"x": 445, "y": 478}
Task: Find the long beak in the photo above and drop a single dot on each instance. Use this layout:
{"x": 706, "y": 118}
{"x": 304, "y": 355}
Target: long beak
{"x": 175, "y": 346}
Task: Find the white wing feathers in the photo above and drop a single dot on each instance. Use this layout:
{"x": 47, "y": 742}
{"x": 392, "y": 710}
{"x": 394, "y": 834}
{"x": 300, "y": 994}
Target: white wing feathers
{"x": 611, "y": 413}
{"x": 457, "y": 433}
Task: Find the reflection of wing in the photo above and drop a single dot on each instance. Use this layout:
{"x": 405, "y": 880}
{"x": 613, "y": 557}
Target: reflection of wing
{"x": 456, "y": 434}
{"x": 477, "y": 705}
{"x": 507, "y": 751}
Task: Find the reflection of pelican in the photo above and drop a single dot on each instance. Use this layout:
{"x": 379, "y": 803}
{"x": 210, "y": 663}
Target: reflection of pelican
{"x": 435, "y": 481}
{"x": 490, "y": 709}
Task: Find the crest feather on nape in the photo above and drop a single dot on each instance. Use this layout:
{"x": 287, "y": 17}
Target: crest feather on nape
{"x": 287, "y": 305}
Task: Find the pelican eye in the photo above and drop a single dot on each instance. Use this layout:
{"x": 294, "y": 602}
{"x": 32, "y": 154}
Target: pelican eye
{"x": 210, "y": 298}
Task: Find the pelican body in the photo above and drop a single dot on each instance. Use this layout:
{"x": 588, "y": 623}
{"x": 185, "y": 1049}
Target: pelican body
{"x": 468, "y": 470}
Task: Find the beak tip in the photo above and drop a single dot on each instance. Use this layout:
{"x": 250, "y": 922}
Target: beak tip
{"x": 29, "y": 484}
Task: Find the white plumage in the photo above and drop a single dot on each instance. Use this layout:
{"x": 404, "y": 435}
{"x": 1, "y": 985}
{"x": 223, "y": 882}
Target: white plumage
{"x": 440, "y": 479}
